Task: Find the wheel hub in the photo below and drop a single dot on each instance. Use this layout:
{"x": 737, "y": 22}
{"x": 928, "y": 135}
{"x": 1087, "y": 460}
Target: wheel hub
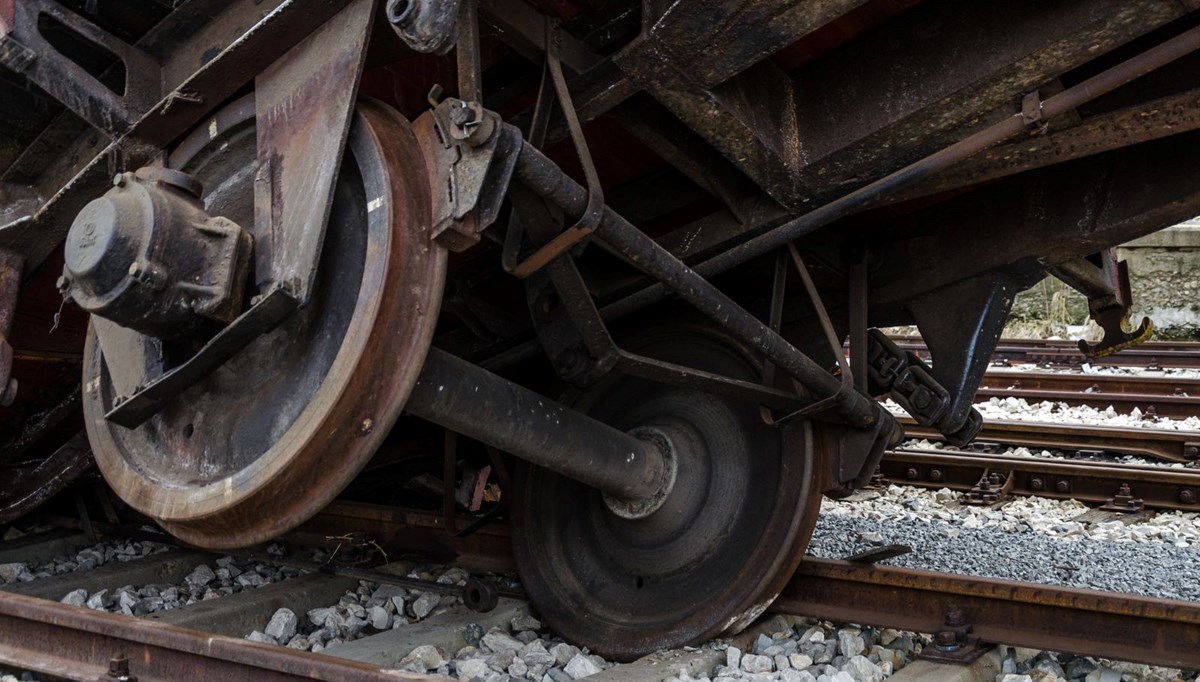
{"x": 713, "y": 552}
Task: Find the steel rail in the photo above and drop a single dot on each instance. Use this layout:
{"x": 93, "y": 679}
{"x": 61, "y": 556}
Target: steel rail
{"x": 1046, "y": 617}
{"x": 1113, "y": 625}
{"x": 1173, "y": 446}
{"x": 1180, "y": 354}
{"x": 1065, "y": 101}
{"x": 81, "y": 644}
{"x": 1098, "y": 384}
{"x": 77, "y": 643}
{"x": 1097, "y": 482}
{"x": 1163, "y": 396}
{"x": 1174, "y": 406}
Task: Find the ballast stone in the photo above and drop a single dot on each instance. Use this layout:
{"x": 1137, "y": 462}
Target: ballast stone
{"x": 282, "y": 626}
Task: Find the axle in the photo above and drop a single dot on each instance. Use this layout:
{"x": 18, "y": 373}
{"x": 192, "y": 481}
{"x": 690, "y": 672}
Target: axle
{"x": 476, "y": 403}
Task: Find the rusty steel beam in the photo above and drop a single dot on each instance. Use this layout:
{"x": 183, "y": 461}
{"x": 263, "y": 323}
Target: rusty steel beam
{"x": 1140, "y": 211}
{"x": 1085, "y": 622}
{"x": 705, "y": 61}
{"x": 81, "y": 644}
{"x": 942, "y": 68}
{"x": 206, "y": 66}
{"x": 1039, "y": 219}
{"x": 404, "y": 531}
{"x": 1152, "y": 120}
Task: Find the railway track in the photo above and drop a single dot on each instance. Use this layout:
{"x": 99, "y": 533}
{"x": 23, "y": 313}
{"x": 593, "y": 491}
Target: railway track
{"x": 1163, "y": 396}
{"x": 203, "y": 640}
{"x": 1160, "y": 444}
{"x": 1058, "y": 352}
{"x": 1154, "y": 487}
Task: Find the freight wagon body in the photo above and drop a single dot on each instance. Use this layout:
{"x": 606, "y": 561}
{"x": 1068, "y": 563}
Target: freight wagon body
{"x": 632, "y": 255}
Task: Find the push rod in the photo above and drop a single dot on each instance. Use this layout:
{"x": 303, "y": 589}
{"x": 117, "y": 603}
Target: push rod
{"x": 1070, "y": 98}
{"x": 472, "y": 401}
{"x": 545, "y": 178}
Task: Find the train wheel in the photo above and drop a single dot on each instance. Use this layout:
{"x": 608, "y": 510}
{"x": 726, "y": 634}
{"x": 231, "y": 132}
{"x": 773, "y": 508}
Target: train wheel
{"x": 272, "y": 436}
{"x": 718, "y": 551}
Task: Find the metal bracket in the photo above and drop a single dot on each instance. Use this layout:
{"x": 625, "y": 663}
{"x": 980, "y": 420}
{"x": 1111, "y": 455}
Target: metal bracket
{"x": 27, "y": 50}
{"x": 470, "y": 156}
{"x": 304, "y": 104}
{"x": 993, "y": 488}
{"x": 1110, "y": 299}
{"x": 1124, "y": 502}
{"x": 594, "y": 210}
{"x": 261, "y": 318}
{"x": 1031, "y": 113}
{"x": 955, "y": 643}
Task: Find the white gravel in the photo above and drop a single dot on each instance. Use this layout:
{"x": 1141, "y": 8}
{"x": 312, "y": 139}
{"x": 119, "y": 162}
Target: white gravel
{"x": 812, "y": 651}
{"x": 1098, "y": 370}
{"x": 1039, "y": 453}
{"x": 1029, "y": 539}
{"x": 1050, "y": 667}
{"x": 1048, "y": 412}
{"x": 84, "y": 560}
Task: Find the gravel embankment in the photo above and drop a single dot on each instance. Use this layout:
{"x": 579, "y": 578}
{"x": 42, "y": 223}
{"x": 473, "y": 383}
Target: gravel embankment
{"x": 814, "y": 651}
{"x": 1013, "y": 408}
{"x": 1029, "y": 539}
{"x": 525, "y": 650}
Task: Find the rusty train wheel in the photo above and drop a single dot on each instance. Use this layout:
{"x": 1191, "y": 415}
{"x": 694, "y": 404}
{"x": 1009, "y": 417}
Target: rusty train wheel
{"x": 718, "y": 551}
{"x": 272, "y": 436}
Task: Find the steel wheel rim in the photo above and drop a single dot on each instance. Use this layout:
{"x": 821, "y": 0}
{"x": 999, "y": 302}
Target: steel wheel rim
{"x": 359, "y": 398}
{"x": 602, "y": 610}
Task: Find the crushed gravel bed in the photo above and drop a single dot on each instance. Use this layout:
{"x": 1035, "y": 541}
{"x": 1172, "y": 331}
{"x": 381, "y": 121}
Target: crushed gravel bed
{"x": 1096, "y": 370}
{"x": 1012, "y": 408}
{"x": 225, "y": 576}
{"x": 1041, "y": 453}
{"x": 84, "y": 560}
{"x": 1028, "y": 539}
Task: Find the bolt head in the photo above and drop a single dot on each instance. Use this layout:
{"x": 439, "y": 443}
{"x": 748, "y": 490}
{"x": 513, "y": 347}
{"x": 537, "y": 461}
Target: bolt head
{"x": 1063, "y": 486}
{"x": 911, "y": 473}
{"x": 1187, "y": 496}
{"x": 1037, "y": 483}
{"x": 936, "y": 475}
{"x": 946, "y": 640}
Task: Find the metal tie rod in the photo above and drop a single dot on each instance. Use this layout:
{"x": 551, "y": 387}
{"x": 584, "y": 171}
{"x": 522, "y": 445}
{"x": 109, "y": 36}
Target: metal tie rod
{"x": 545, "y": 178}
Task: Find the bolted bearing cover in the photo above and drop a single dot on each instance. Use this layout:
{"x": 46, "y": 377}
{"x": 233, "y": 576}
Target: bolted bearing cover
{"x": 147, "y": 256}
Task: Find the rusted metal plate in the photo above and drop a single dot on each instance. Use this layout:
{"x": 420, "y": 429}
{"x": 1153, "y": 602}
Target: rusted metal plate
{"x": 79, "y": 643}
{"x": 214, "y": 61}
{"x": 1092, "y": 623}
{"x": 27, "y": 486}
{"x": 405, "y": 532}
{"x": 303, "y": 102}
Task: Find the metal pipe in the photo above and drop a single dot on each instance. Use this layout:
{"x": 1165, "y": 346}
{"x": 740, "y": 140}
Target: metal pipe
{"x": 545, "y": 178}
{"x": 465, "y": 398}
{"x": 1104, "y": 82}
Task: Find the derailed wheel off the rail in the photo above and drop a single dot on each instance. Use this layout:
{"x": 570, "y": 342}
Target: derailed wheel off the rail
{"x": 719, "y": 549}
{"x": 273, "y": 435}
